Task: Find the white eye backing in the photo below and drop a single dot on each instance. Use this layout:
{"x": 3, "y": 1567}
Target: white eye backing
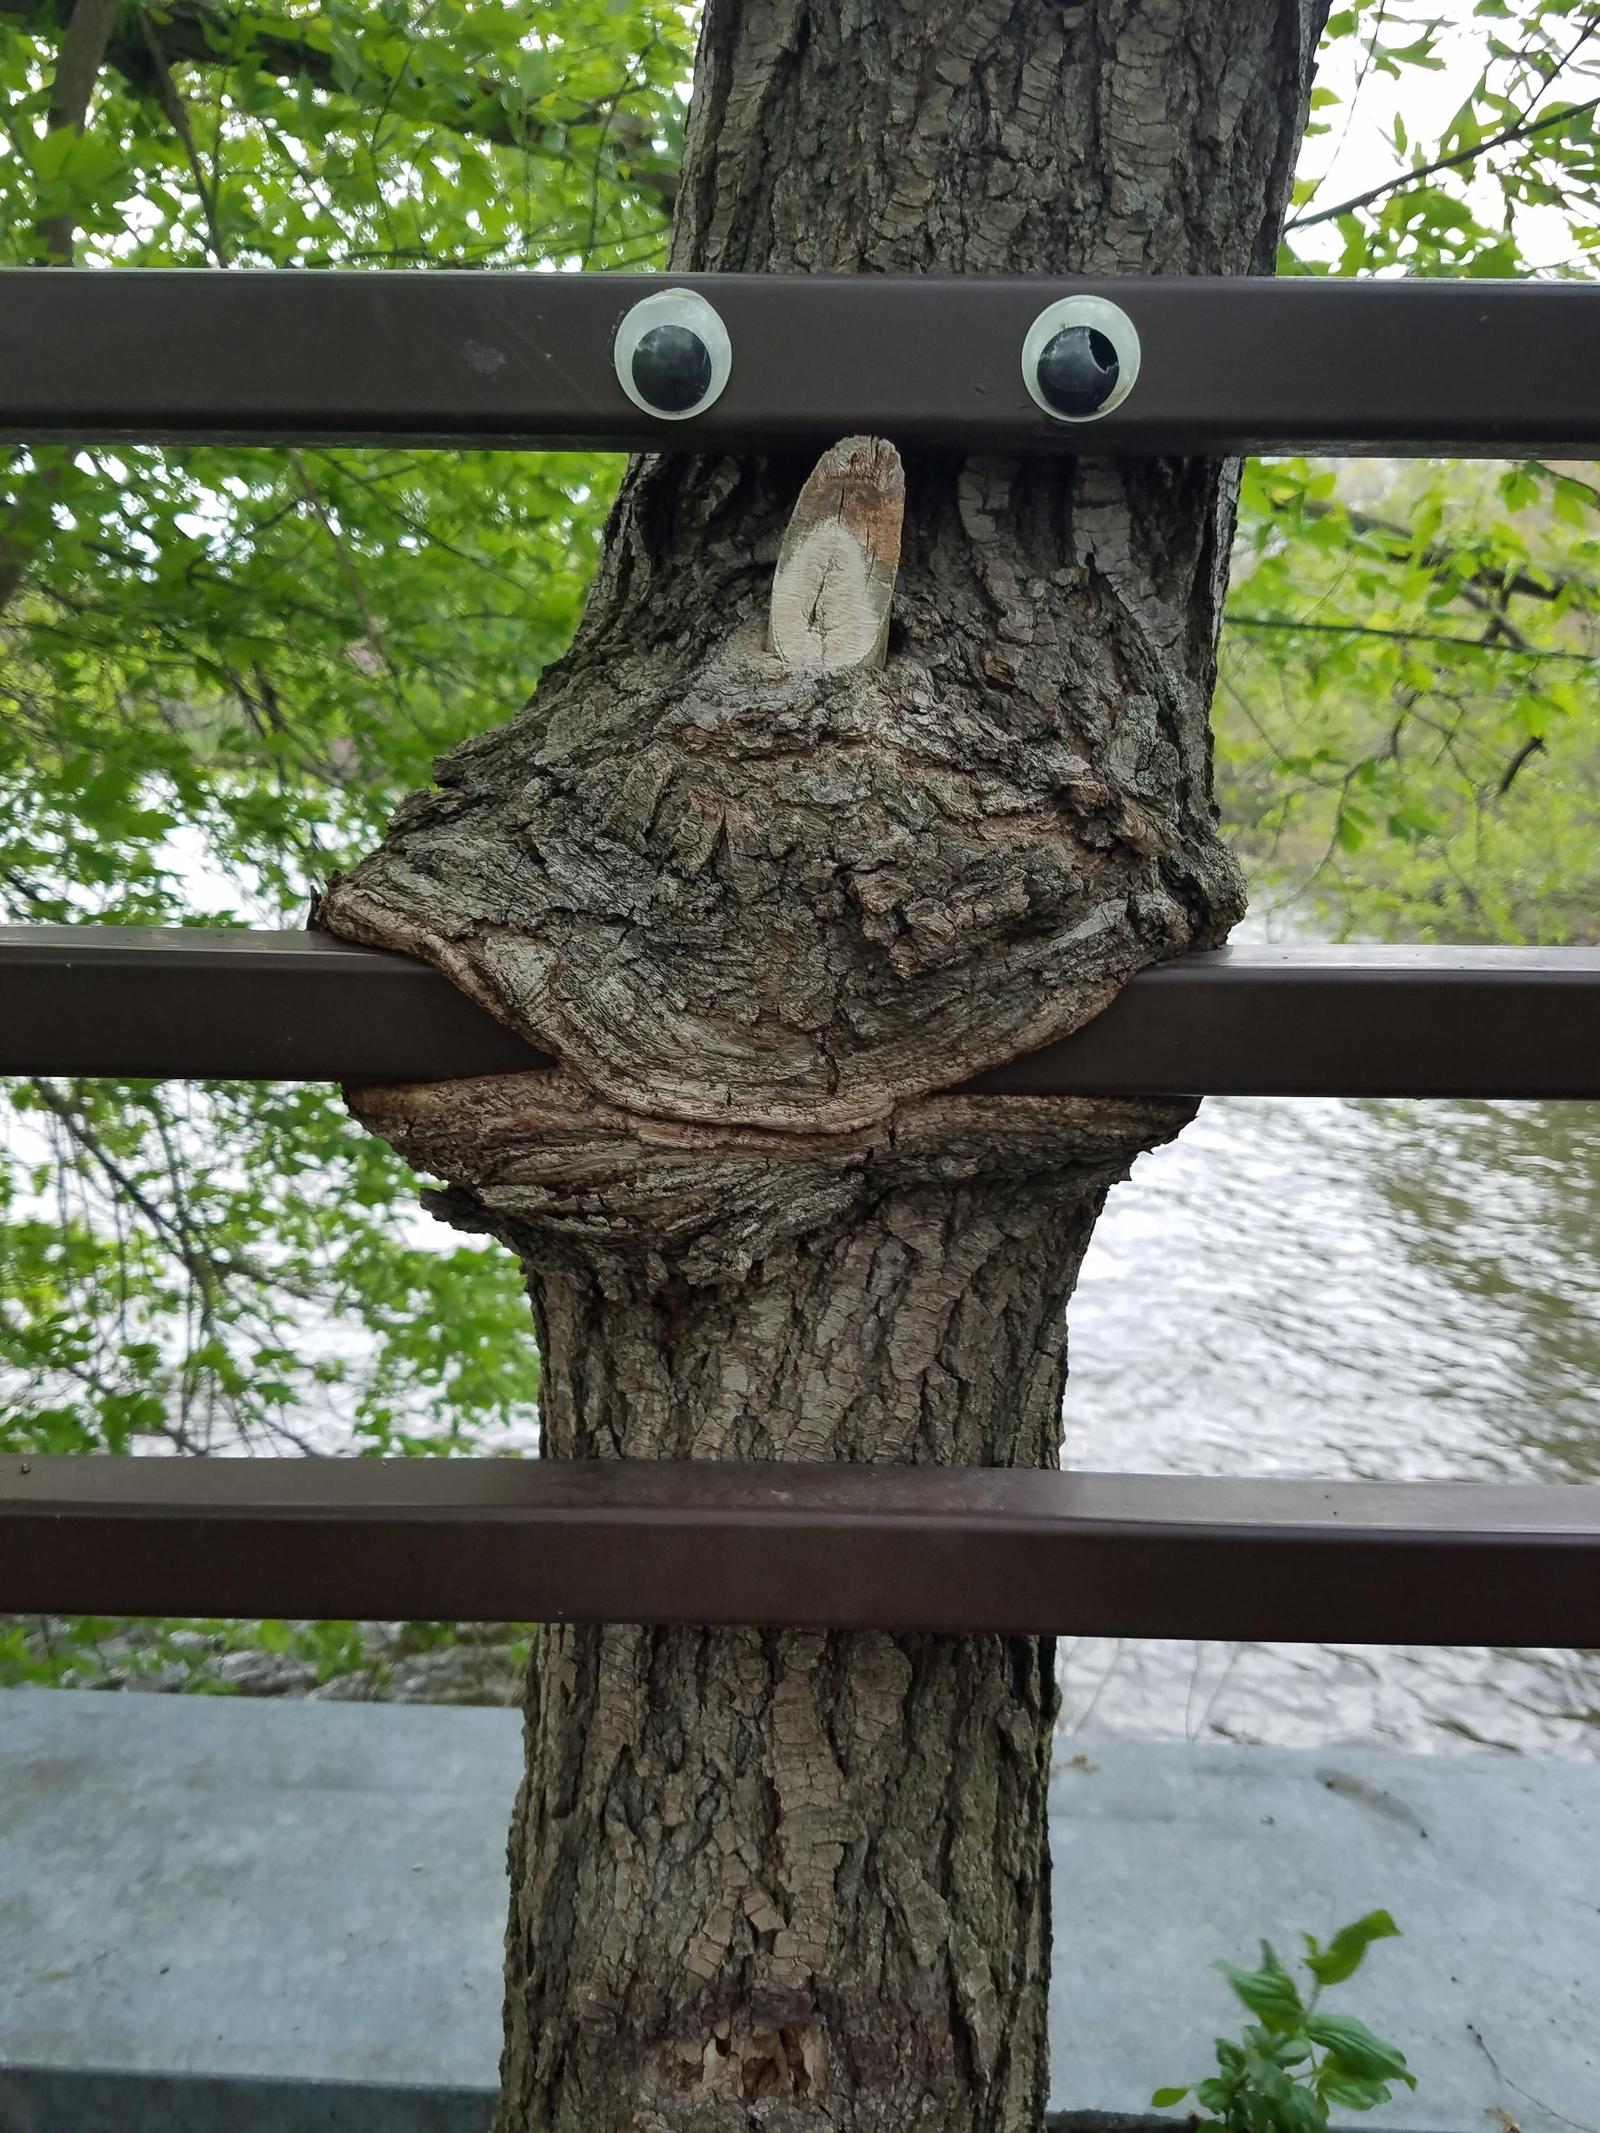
{"x": 1080, "y": 358}
{"x": 672, "y": 355}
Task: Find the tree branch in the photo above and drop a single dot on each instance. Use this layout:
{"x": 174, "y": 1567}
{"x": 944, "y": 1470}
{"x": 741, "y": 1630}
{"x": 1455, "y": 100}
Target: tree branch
{"x": 81, "y": 55}
{"x": 187, "y": 27}
{"x": 1369, "y": 629}
{"x": 1523, "y": 129}
{"x": 1534, "y": 745}
{"x": 176, "y": 113}
{"x": 1437, "y": 556}
{"x": 1486, "y": 590}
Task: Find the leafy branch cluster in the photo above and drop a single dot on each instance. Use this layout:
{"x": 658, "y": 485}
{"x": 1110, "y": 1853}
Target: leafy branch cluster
{"x": 220, "y": 668}
{"x": 1294, "y": 2063}
{"x": 1525, "y": 137}
{"x": 1407, "y": 719}
{"x": 1408, "y": 733}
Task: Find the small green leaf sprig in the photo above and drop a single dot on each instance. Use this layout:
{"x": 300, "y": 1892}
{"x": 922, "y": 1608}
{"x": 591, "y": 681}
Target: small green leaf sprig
{"x": 1293, "y": 2062}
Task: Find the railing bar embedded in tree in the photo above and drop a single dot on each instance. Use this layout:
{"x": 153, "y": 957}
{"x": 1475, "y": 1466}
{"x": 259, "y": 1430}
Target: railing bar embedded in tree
{"x": 841, "y": 1547}
{"x": 1303, "y": 1021}
{"x": 1224, "y": 365}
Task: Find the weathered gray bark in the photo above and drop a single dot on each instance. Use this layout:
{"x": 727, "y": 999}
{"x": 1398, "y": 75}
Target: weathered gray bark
{"x": 801, "y": 1871}
{"x": 764, "y": 917}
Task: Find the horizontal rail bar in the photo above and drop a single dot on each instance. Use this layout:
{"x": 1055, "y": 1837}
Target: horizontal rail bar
{"x": 229, "y": 1005}
{"x": 1257, "y": 1021}
{"x": 1226, "y": 364}
{"x": 831, "y": 1547}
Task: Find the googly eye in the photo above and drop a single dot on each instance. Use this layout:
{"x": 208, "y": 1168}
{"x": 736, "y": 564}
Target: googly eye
{"x": 673, "y": 355}
{"x": 1080, "y": 358}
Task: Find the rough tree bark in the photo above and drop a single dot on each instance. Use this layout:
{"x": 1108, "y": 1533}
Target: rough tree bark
{"x": 768, "y": 917}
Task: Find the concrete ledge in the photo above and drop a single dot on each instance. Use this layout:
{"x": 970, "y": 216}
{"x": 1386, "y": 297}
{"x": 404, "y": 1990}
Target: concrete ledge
{"x": 276, "y": 1917}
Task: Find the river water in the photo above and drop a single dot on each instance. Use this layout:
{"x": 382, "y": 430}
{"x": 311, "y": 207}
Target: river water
{"x": 1362, "y": 1290}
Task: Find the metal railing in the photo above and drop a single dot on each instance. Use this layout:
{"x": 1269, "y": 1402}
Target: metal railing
{"x": 526, "y": 358}
{"x": 822, "y": 1547}
{"x": 467, "y": 358}
{"x": 228, "y": 1005}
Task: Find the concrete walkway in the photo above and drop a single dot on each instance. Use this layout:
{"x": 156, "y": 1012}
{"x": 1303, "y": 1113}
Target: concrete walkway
{"x": 206, "y": 1904}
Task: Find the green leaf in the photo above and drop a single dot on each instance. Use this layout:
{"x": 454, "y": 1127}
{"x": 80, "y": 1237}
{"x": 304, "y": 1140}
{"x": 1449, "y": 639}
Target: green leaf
{"x": 1352, "y": 2092}
{"x": 1263, "y": 2078}
{"x": 1344, "y": 1954}
{"x": 1350, "y": 830}
{"x": 1357, "y": 2048}
{"x": 1259, "y": 2113}
{"x": 1301, "y": 2111}
{"x": 1268, "y": 1992}
{"x": 1164, "y": 2099}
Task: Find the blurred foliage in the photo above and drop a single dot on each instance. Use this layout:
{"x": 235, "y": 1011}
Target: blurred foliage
{"x": 1408, "y": 725}
{"x": 1408, "y": 722}
{"x": 220, "y": 668}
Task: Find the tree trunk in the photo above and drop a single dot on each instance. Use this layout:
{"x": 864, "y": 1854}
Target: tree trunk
{"x": 766, "y": 916}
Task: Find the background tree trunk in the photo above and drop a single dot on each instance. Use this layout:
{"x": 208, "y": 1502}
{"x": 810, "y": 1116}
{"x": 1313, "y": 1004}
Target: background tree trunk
{"x": 764, "y": 917}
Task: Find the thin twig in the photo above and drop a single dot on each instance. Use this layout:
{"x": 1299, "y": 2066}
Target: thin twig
{"x": 1523, "y": 130}
{"x": 1371, "y": 629}
{"x": 176, "y": 112}
{"x": 1534, "y": 745}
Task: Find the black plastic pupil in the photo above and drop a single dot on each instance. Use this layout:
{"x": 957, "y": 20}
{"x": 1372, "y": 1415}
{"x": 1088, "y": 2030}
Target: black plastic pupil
{"x": 672, "y": 368}
{"x": 1078, "y": 371}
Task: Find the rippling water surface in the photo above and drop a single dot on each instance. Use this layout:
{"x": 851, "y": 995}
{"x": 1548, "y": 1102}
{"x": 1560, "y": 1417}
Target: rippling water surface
{"x": 1372, "y": 1290}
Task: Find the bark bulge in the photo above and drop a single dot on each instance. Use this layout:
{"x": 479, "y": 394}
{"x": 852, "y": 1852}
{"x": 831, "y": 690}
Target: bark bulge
{"x": 722, "y": 889}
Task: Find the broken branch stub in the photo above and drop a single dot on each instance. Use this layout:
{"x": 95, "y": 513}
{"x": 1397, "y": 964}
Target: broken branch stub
{"x": 834, "y": 583}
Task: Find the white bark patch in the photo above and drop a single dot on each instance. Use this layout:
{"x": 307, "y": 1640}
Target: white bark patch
{"x": 822, "y": 607}
{"x": 834, "y": 583}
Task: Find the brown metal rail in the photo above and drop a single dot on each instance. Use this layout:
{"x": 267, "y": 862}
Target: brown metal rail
{"x": 1310, "y": 1021}
{"x": 1226, "y": 365}
{"x": 957, "y": 1550}
{"x": 830, "y": 1547}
